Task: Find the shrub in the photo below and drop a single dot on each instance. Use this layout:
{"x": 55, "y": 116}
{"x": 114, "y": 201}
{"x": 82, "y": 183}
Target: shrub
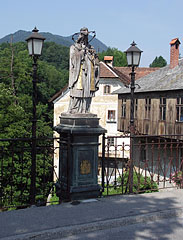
{"x": 178, "y": 179}
{"x": 141, "y": 184}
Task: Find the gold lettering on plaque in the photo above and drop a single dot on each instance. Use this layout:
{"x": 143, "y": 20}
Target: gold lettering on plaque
{"x": 85, "y": 167}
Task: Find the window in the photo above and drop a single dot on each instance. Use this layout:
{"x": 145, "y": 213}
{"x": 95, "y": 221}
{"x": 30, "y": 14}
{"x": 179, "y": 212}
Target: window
{"x": 107, "y": 89}
{"x": 111, "y": 115}
{"x": 147, "y": 108}
{"x": 135, "y": 107}
{"x": 162, "y": 108}
{"x": 179, "y": 108}
{"x": 123, "y": 108}
{"x": 110, "y": 141}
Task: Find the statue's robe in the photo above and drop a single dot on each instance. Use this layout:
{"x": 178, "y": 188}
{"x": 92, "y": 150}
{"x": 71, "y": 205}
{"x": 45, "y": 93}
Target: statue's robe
{"x": 83, "y": 78}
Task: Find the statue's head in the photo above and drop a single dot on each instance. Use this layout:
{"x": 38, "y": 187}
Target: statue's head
{"x": 83, "y": 36}
{"x": 84, "y": 31}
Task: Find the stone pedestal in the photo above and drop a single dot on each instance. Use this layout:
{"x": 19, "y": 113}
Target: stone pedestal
{"x": 78, "y": 156}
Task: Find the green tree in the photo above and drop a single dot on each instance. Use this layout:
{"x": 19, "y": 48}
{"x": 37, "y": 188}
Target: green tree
{"x": 158, "y": 62}
{"x": 56, "y": 55}
{"x": 119, "y": 57}
{"x": 16, "y": 117}
{"x": 51, "y": 78}
{"x": 14, "y": 121}
{"x": 50, "y": 81}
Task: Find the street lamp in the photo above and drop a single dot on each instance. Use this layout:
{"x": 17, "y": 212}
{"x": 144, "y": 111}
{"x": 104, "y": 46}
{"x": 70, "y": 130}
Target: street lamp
{"x": 35, "y": 44}
{"x": 133, "y": 55}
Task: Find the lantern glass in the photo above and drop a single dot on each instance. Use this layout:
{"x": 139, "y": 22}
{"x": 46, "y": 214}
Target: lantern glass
{"x": 30, "y": 46}
{"x": 37, "y": 46}
{"x": 129, "y": 58}
{"x": 136, "y": 58}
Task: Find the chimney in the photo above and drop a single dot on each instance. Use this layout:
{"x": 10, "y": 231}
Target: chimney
{"x": 109, "y": 60}
{"x": 174, "y": 52}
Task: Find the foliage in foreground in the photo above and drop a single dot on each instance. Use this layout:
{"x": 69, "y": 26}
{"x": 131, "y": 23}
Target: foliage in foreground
{"x": 141, "y": 184}
{"x": 177, "y": 178}
{"x": 15, "y": 176}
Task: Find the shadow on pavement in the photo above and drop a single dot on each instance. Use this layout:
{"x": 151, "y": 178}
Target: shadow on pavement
{"x": 111, "y": 208}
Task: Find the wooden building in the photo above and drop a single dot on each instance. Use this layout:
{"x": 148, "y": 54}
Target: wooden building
{"x": 158, "y": 107}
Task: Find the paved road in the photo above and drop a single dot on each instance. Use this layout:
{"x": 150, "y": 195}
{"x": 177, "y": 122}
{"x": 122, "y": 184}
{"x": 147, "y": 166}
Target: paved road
{"x": 118, "y": 217}
{"x": 159, "y": 230}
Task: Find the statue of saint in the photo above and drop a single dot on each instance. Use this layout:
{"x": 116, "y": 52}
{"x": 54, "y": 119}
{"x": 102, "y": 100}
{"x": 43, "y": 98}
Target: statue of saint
{"x": 83, "y": 73}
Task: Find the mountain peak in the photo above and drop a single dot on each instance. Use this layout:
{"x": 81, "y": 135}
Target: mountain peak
{"x": 21, "y": 35}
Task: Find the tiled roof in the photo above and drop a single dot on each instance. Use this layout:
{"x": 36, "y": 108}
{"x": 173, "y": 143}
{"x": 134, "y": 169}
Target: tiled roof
{"x": 106, "y": 71}
{"x": 164, "y": 79}
{"x": 140, "y": 71}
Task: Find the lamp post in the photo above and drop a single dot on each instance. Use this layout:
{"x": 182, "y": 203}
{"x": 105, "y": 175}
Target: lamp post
{"x": 133, "y": 55}
{"x": 35, "y": 44}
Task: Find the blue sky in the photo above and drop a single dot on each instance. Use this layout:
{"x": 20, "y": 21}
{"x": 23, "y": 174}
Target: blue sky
{"x": 151, "y": 23}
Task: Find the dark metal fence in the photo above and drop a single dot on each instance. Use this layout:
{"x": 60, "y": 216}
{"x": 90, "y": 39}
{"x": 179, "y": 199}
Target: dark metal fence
{"x": 156, "y": 163}
{"x": 16, "y": 175}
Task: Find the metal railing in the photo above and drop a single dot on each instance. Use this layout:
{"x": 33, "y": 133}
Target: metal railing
{"x": 15, "y": 172}
{"x": 157, "y": 164}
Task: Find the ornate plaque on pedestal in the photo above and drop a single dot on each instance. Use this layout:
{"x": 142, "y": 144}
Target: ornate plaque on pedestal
{"x": 85, "y": 167}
